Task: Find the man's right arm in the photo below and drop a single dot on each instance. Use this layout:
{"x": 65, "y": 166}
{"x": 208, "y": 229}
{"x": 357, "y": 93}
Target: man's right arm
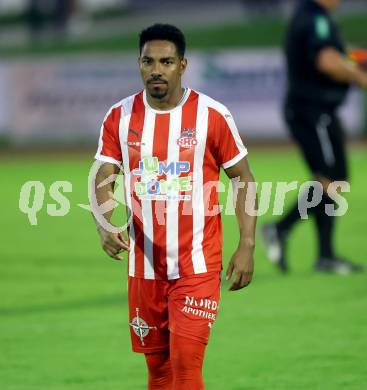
{"x": 112, "y": 243}
{"x": 331, "y": 62}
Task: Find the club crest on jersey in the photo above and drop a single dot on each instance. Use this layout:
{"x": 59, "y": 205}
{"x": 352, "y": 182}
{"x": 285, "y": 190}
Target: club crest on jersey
{"x": 187, "y": 138}
{"x": 140, "y": 327}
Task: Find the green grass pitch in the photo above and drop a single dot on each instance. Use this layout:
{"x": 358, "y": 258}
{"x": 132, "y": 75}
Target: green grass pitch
{"x": 63, "y": 303}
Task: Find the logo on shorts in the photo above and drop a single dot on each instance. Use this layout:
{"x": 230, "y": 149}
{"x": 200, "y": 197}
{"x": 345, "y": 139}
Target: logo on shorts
{"x": 201, "y": 307}
{"x": 187, "y": 139}
{"x": 140, "y": 327}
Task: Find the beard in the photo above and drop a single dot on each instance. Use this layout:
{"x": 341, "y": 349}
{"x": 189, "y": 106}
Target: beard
{"x": 157, "y": 92}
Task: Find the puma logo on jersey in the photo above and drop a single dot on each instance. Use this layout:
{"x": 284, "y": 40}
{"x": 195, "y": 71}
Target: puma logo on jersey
{"x": 134, "y": 132}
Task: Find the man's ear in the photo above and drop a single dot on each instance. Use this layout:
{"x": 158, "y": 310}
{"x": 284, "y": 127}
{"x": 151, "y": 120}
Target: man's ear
{"x": 183, "y": 65}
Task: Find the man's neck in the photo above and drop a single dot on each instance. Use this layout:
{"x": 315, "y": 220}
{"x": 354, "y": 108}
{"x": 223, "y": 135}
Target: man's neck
{"x": 321, "y": 4}
{"x": 168, "y": 102}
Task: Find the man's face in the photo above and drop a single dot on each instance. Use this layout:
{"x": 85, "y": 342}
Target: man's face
{"x": 161, "y": 68}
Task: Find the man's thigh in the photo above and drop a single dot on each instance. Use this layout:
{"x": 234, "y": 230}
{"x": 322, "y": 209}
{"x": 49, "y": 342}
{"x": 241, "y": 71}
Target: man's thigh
{"x": 148, "y": 315}
{"x": 320, "y": 139}
{"x": 193, "y": 305}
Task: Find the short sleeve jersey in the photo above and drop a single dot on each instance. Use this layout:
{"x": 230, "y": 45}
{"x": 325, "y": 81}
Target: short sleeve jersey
{"x": 171, "y": 162}
{"x": 310, "y": 30}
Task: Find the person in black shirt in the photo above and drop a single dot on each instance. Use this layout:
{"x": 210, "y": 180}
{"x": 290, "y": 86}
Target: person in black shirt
{"x": 319, "y": 75}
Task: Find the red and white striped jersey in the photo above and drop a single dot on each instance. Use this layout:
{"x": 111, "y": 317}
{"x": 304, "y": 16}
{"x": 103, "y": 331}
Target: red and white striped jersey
{"x": 171, "y": 162}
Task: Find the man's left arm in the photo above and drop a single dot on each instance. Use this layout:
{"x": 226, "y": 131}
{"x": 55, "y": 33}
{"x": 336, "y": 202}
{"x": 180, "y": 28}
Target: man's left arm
{"x": 241, "y": 265}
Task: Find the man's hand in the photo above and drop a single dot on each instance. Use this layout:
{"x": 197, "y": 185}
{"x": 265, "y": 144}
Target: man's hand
{"x": 363, "y": 80}
{"x": 242, "y": 265}
{"x": 333, "y": 63}
{"x": 113, "y": 243}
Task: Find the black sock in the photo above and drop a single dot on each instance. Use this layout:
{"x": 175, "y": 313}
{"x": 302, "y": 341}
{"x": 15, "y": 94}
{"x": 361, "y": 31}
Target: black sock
{"x": 325, "y": 228}
{"x": 293, "y": 215}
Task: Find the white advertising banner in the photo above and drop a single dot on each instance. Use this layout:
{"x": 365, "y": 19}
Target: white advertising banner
{"x": 64, "y": 100}
{"x": 251, "y": 83}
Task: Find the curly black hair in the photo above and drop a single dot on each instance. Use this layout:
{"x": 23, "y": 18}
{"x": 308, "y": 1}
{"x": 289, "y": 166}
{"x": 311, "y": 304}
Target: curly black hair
{"x": 164, "y": 32}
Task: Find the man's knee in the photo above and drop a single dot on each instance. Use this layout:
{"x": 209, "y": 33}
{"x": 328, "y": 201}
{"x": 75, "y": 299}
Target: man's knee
{"x": 159, "y": 368}
{"x": 187, "y": 358}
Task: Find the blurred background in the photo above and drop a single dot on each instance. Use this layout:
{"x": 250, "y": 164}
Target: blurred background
{"x": 63, "y": 305}
{"x": 63, "y": 62}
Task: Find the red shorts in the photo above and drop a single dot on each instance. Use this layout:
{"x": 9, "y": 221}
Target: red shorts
{"x": 187, "y": 307}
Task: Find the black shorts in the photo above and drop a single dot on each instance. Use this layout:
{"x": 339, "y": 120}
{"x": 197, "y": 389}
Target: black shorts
{"x": 321, "y": 138}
